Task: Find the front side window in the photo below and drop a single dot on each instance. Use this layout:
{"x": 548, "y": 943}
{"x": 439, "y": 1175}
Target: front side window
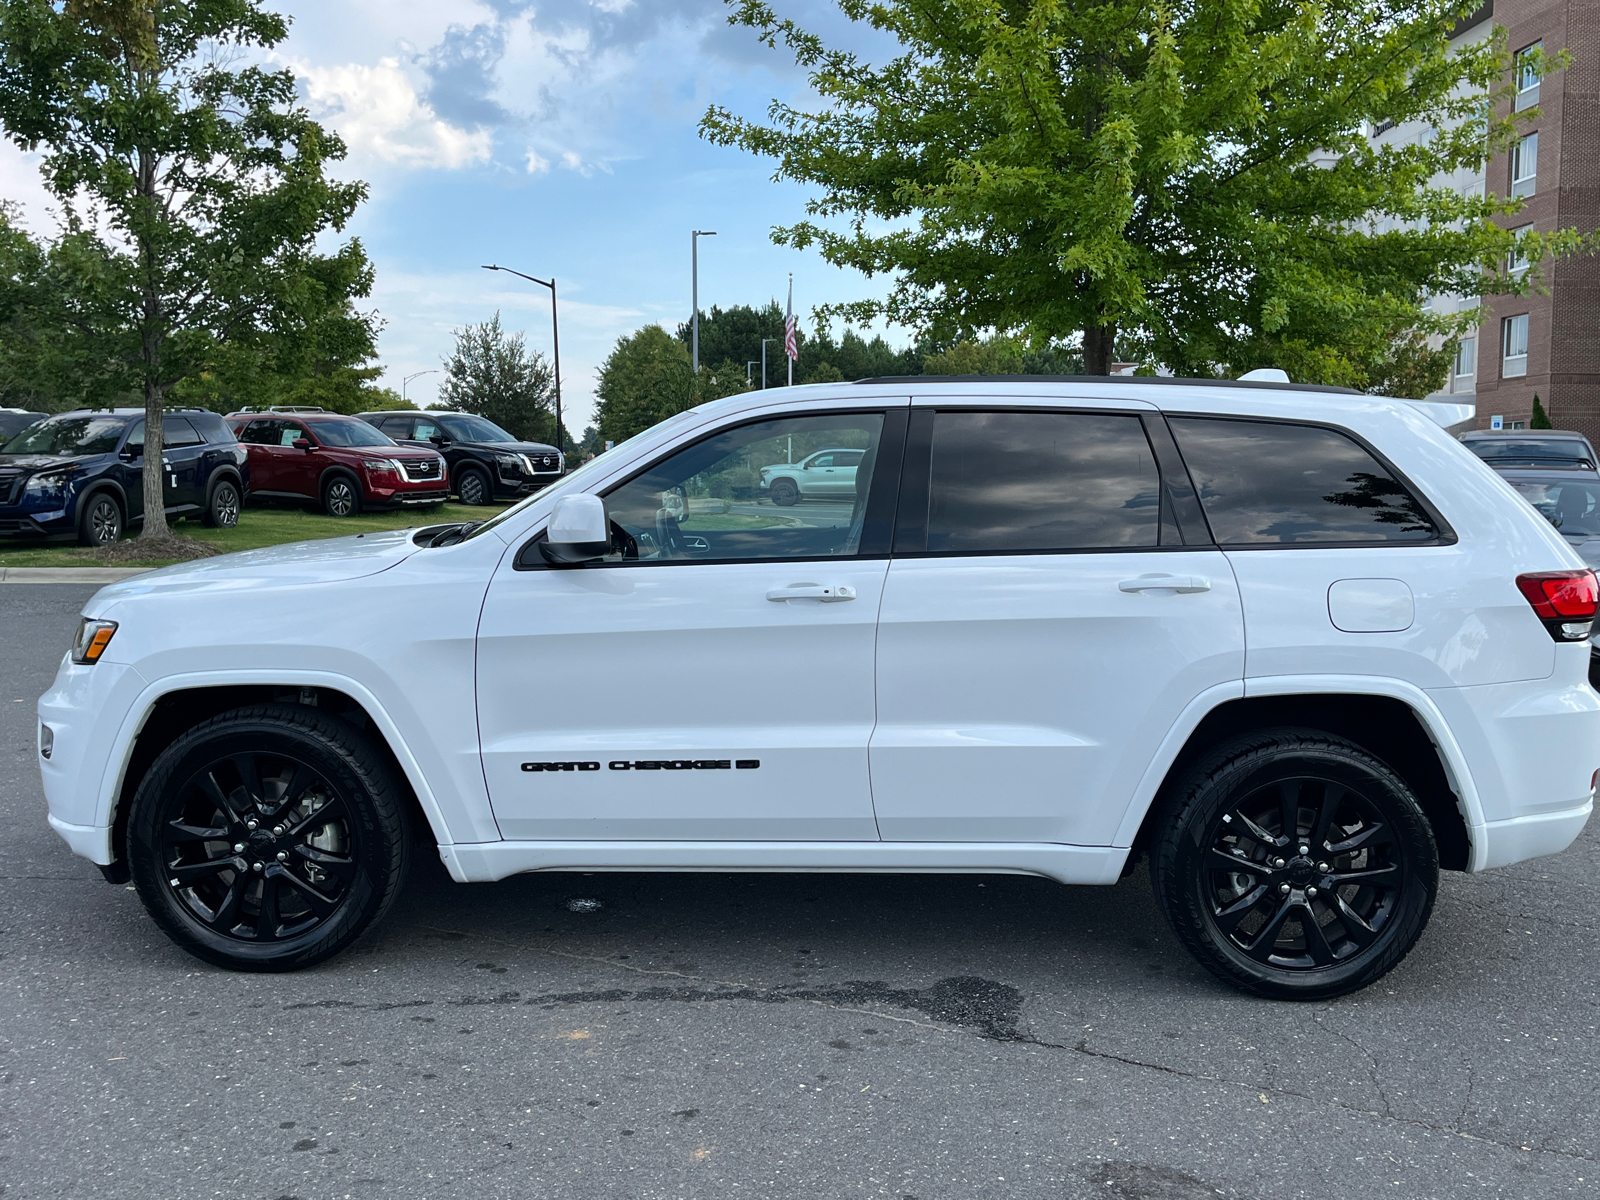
{"x": 742, "y": 495}
{"x": 1266, "y": 482}
{"x": 425, "y": 431}
{"x": 69, "y": 435}
{"x": 1525, "y": 166}
{"x": 1015, "y": 482}
{"x": 1514, "y": 346}
{"x": 289, "y": 432}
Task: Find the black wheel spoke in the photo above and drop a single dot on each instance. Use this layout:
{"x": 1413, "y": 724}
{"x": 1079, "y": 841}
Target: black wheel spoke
{"x": 1316, "y": 941}
{"x": 1261, "y": 949}
{"x": 182, "y": 831}
{"x": 1332, "y": 797}
{"x": 188, "y": 874}
{"x": 226, "y": 915}
{"x": 249, "y": 776}
{"x": 1227, "y": 860}
{"x": 340, "y": 867}
{"x": 332, "y": 809}
{"x": 206, "y": 781}
{"x": 1255, "y": 831}
{"x": 320, "y": 904}
{"x": 1377, "y": 833}
{"x": 1339, "y": 878}
{"x": 1355, "y": 926}
{"x": 1228, "y": 918}
{"x": 1289, "y": 803}
{"x": 267, "y": 916}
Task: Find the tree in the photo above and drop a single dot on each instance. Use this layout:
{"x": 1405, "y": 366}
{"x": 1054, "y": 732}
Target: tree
{"x": 1192, "y": 178}
{"x": 493, "y": 374}
{"x": 646, "y": 378}
{"x": 1540, "y": 419}
{"x": 193, "y": 187}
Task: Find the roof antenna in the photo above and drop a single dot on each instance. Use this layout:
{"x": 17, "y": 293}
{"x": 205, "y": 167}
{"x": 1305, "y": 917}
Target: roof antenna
{"x": 1266, "y": 375}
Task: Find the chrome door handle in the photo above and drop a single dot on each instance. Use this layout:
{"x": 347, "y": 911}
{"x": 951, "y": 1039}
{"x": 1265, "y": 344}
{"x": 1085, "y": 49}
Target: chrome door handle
{"x": 828, "y": 594}
{"x": 1182, "y": 584}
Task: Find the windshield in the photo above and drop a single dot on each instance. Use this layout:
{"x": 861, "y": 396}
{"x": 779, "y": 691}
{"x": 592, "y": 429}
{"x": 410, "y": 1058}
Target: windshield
{"x": 69, "y": 435}
{"x": 473, "y": 429}
{"x": 349, "y": 433}
{"x": 1573, "y": 508}
{"x": 1531, "y": 449}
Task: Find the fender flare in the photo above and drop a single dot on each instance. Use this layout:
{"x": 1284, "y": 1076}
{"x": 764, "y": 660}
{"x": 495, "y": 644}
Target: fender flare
{"x": 337, "y": 469}
{"x": 223, "y": 471}
{"x": 1451, "y": 757}
{"x": 116, "y": 768}
{"x": 103, "y": 484}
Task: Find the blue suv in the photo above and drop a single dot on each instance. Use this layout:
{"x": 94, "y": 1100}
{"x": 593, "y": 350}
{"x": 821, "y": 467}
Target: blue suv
{"x": 80, "y": 473}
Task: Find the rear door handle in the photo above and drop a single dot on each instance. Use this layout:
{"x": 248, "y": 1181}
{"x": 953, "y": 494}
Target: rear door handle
{"x": 827, "y": 593}
{"x": 1183, "y": 584}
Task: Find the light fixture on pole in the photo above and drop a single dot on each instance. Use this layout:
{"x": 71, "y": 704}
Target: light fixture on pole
{"x": 747, "y": 367}
{"x": 694, "y": 295}
{"x": 416, "y": 375}
{"x": 555, "y": 338}
{"x": 764, "y": 342}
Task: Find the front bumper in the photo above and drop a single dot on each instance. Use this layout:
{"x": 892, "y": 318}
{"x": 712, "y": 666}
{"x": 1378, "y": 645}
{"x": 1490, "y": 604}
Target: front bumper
{"x": 21, "y": 523}
{"x": 85, "y": 708}
{"x": 405, "y": 498}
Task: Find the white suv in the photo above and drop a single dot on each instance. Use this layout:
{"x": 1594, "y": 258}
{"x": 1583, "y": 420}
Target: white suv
{"x": 1297, "y": 645}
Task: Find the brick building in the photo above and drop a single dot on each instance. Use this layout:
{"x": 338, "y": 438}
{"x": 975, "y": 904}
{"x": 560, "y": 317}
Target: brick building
{"x": 1549, "y": 344}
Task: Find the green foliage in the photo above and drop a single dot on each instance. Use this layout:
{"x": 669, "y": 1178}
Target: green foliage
{"x": 645, "y": 379}
{"x": 493, "y": 374}
{"x": 1540, "y": 419}
{"x": 192, "y": 185}
{"x": 1192, "y": 179}
{"x": 735, "y": 335}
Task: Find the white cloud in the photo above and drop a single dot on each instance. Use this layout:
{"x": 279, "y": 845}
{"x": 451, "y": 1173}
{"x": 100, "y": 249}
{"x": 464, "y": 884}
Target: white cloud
{"x": 378, "y": 113}
{"x": 537, "y": 163}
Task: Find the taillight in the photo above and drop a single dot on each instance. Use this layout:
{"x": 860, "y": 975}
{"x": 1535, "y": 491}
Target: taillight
{"x": 1564, "y": 600}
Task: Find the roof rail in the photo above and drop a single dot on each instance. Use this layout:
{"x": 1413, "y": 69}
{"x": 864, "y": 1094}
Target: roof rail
{"x": 1160, "y": 380}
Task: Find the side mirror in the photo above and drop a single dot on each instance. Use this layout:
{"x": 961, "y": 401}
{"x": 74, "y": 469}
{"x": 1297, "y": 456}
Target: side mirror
{"x": 131, "y": 453}
{"x": 303, "y": 444}
{"x": 439, "y": 441}
{"x": 577, "y": 532}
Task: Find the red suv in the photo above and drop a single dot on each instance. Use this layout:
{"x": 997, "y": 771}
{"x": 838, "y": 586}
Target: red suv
{"x": 341, "y": 462}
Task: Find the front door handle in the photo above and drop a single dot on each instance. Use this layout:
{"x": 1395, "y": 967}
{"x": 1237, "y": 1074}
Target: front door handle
{"x": 1182, "y": 584}
{"x": 828, "y": 594}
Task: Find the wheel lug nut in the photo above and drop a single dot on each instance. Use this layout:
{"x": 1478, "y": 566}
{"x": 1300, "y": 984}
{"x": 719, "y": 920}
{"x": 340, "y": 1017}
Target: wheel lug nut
{"x": 238, "y": 847}
{"x": 1278, "y": 862}
{"x": 1311, "y": 893}
{"x": 251, "y": 825}
{"x": 283, "y": 856}
{"x": 277, "y": 831}
{"x": 1305, "y": 849}
{"x": 1324, "y": 867}
{"x": 259, "y": 867}
{"x": 1283, "y": 888}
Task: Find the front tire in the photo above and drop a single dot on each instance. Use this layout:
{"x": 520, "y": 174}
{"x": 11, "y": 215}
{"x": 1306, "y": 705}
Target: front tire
{"x": 100, "y": 523}
{"x": 473, "y": 488}
{"x": 785, "y": 492}
{"x": 268, "y": 838}
{"x": 222, "y": 509}
{"x": 341, "y": 497}
{"x": 1295, "y": 865}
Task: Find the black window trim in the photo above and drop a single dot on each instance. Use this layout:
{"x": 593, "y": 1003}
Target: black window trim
{"x": 1446, "y": 535}
{"x": 1180, "y": 503}
{"x": 876, "y": 530}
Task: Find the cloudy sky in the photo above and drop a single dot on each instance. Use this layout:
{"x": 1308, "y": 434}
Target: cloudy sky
{"x": 553, "y": 136}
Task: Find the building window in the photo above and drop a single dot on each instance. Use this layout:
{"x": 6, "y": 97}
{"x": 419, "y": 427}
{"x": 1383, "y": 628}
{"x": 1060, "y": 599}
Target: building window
{"x": 1514, "y": 347}
{"x": 1527, "y": 74}
{"x": 1517, "y": 262}
{"x": 1467, "y": 358}
{"x": 1525, "y": 165}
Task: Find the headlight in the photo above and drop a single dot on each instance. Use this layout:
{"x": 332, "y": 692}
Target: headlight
{"x": 381, "y": 464}
{"x": 510, "y": 460}
{"x": 47, "y": 485}
{"x": 92, "y": 640}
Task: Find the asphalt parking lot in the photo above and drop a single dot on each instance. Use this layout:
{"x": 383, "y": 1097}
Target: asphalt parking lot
{"x": 743, "y": 1035}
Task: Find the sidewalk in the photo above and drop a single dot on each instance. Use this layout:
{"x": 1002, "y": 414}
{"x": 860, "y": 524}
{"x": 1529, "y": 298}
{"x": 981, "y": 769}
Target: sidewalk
{"x": 68, "y": 574}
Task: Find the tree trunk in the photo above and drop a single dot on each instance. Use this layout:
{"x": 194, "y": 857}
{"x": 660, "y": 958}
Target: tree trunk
{"x": 1099, "y": 348}
{"x": 154, "y": 475}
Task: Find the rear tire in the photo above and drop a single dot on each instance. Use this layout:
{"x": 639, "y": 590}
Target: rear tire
{"x": 101, "y": 522}
{"x": 341, "y": 497}
{"x": 473, "y": 487}
{"x": 308, "y": 843}
{"x": 1318, "y": 910}
{"x": 222, "y": 507}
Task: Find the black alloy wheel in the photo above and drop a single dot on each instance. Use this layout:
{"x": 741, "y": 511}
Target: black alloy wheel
{"x": 341, "y": 497}
{"x": 101, "y": 522}
{"x": 267, "y": 839}
{"x": 222, "y": 510}
{"x": 785, "y": 492}
{"x": 473, "y": 487}
{"x": 1296, "y": 865}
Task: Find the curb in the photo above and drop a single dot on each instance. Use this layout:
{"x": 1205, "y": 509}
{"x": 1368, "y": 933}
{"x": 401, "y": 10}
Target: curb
{"x": 69, "y": 574}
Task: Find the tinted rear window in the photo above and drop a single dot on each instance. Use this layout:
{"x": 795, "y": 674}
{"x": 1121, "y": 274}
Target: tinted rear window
{"x": 1264, "y": 483}
{"x": 1563, "y": 450}
{"x": 1041, "y": 482}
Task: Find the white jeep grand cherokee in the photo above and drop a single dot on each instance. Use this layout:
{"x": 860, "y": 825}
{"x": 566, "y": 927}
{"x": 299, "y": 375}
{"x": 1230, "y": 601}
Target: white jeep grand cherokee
{"x": 1297, "y": 645}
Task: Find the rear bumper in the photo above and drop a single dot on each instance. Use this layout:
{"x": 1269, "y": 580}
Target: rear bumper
{"x": 1507, "y": 842}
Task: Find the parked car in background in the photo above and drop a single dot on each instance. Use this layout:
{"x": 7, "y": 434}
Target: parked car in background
{"x": 486, "y": 462}
{"x": 827, "y": 474}
{"x": 1531, "y": 448}
{"x": 81, "y": 473}
{"x": 1570, "y": 500}
{"x": 339, "y": 462}
{"x": 14, "y": 420}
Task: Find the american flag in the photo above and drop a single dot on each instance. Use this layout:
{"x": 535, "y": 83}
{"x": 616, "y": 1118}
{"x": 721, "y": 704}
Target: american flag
{"x": 790, "y": 327}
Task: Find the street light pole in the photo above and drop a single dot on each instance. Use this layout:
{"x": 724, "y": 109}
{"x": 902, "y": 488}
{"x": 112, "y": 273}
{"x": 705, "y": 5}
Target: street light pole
{"x": 694, "y": 295}
{"x": 409, "y": 378}
{"x": 747, "y": 367}
{"x": 555, "y": 339}
{"x": 764, "y": 342}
